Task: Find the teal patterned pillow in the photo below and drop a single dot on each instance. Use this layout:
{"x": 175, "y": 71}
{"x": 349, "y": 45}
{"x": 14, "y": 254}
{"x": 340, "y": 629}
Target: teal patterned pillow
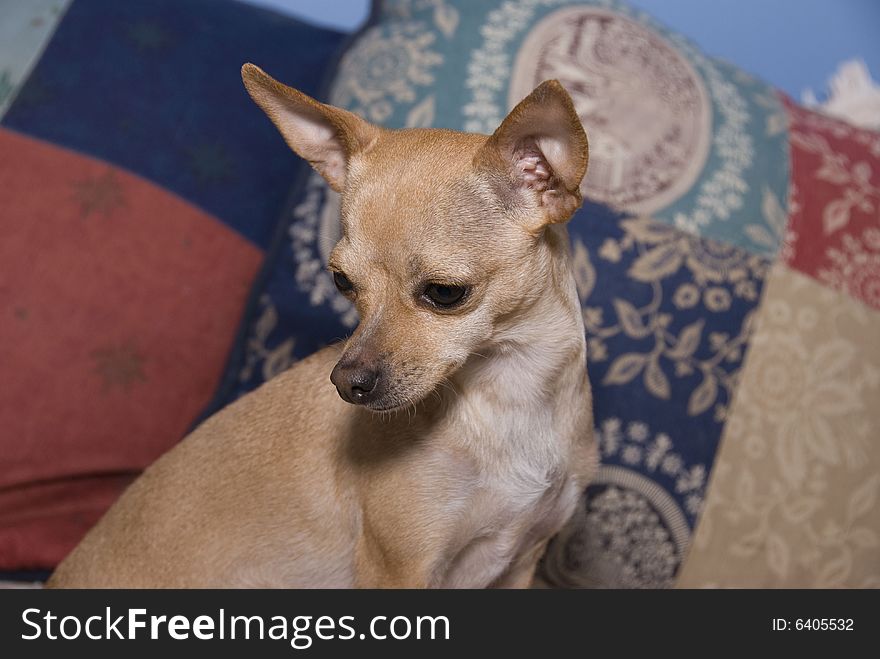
{"x": 685, "y": 211}
{"x": 674, "y": 134}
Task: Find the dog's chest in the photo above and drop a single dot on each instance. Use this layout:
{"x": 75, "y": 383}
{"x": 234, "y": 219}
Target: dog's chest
{"x": 522, "y": 494}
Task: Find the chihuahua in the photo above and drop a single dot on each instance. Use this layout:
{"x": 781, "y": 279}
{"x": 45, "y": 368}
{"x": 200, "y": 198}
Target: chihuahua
{"x": 453, "y": 437}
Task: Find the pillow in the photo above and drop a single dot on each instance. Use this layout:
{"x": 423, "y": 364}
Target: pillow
{"x": 701, "y": 208}
{"x": 794, "y": 498}
{"x": 140, "y": 192}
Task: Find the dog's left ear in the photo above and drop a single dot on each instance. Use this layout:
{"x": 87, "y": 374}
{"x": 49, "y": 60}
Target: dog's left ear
{"x": 542, "y": 152}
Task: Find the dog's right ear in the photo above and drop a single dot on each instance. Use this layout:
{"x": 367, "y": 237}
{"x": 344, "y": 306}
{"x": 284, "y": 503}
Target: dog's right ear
{"x": 324, "y": 135}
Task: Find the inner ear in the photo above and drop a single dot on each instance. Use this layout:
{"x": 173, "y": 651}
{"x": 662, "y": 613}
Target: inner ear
{"x": 533, "y": 169}
{"x": 541, "y": 149}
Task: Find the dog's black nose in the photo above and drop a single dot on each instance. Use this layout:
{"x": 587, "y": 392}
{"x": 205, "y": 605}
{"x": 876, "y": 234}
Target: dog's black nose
{"x": 362, "y": 382}
{"x": 357, "y": 382}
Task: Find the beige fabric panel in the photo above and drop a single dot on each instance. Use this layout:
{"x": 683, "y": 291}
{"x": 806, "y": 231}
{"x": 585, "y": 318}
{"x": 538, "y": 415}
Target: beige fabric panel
{"x": 793, "y": 500}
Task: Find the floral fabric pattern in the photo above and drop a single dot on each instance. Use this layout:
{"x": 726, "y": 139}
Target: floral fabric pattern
{"x": 382, "y": 73}
{"x": 667, "y": 316}
{"x": 707, "y": 281}
{"x": 794, "y": 494}
{"x": 834, "y": 233}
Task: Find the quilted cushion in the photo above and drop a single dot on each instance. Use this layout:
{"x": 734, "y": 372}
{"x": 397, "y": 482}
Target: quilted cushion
{"x": 140, "y": 189}
{"x": 704, "y": 199}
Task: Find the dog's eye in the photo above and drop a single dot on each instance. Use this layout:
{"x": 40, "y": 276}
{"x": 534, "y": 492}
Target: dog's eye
{"x": 342, "y": 282}
{"x": 444, "y": 295}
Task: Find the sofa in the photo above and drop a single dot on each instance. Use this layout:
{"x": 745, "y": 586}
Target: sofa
{"x": 163, "y": 254}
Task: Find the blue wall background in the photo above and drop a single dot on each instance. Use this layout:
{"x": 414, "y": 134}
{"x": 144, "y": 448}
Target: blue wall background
{"x": 792, "y": 44}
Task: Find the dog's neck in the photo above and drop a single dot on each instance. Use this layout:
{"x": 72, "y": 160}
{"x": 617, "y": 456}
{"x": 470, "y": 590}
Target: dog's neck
{"x": 532, "y": 368}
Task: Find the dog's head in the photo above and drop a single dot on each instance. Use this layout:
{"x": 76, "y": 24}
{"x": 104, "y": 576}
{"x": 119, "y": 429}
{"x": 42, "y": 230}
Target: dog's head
{"x": 444, "y": 233}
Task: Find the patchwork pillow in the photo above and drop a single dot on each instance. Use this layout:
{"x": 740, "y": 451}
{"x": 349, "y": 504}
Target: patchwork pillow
{"x": 794, "y": 497}
{"x": 140, "y": 190}
{"x": 702, "y": 192}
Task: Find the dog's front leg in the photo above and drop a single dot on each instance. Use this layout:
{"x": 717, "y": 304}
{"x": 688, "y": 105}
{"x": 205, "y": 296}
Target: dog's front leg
{"x": 380, "y": 565}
